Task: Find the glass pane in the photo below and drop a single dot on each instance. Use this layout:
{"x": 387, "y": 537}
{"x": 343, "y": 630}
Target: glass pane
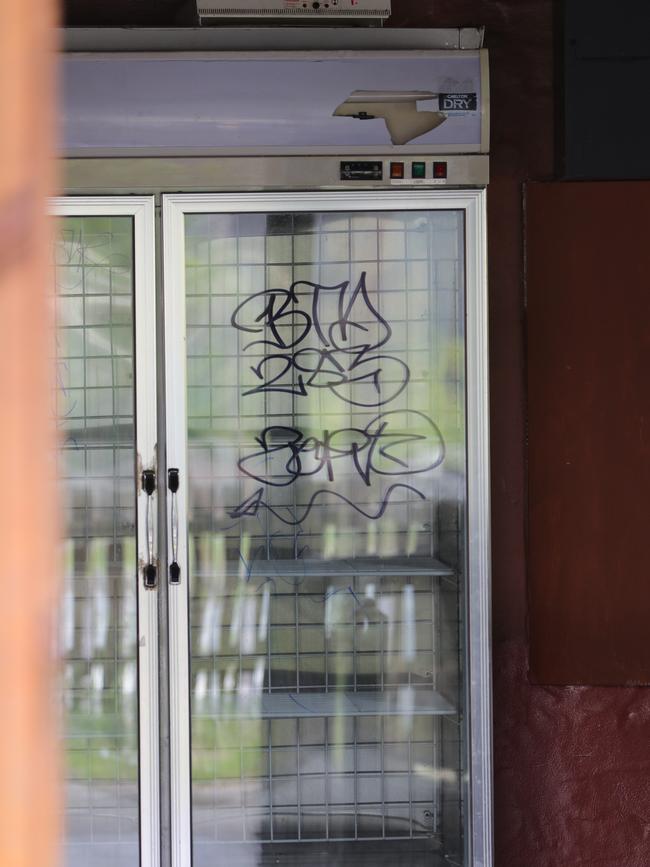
{"x": 98, "y": 630}
{"x": 326, "y": 428}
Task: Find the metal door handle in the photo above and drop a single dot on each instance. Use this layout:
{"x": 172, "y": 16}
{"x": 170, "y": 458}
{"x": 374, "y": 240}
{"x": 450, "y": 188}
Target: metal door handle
{"x": 150, "y": 570}
{"x": 173, "y": 483}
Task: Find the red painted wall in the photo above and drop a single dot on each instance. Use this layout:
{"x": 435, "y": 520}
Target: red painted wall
{"x": 588, "y": 346}
{"x": 572, "y": 765}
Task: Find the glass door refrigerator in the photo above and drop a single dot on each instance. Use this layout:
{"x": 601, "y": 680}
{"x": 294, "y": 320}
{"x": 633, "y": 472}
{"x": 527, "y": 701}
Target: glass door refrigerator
{"x": 322, "y": 452}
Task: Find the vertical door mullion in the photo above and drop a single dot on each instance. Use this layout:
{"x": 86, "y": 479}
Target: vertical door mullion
{"x": 146, "y": 438}
{"x": 175, "y": 378}
{"x": 479, "y": 604}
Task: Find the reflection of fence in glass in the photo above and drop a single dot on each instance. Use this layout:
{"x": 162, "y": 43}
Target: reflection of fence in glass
{"x": 258, "y": 616}
{"x": 98, "y": 619}
{"x": 313, "y": 648}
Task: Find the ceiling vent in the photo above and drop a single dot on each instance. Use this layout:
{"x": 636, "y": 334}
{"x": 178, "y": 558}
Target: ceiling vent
{"x": 348, "y": 12}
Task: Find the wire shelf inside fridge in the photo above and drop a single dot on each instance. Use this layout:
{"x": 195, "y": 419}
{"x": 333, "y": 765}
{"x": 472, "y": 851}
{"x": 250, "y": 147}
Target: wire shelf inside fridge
{"x": 331, "y": 568}
{"x": 290, "y": 705}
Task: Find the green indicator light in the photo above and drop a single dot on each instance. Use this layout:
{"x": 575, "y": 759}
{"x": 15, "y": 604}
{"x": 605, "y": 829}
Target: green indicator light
{"x": 419, "y": 170}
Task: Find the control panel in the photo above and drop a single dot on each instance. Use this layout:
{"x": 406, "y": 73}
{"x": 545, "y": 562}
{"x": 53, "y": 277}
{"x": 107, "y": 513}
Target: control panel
{"x": 362, "y": 171}
{"x": 413, "y": 172}
{"x": 317, "y": 172}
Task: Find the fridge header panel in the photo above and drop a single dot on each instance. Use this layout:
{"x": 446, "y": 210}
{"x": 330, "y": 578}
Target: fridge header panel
{"x": 259, "y": 38}
{"x": 276, "y": 103}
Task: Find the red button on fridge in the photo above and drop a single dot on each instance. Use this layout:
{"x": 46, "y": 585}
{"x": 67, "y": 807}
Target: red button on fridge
{"x": 440, "y": 170}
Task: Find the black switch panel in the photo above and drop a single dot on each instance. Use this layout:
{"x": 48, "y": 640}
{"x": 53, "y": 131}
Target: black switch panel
{"x": 367, "y": 171}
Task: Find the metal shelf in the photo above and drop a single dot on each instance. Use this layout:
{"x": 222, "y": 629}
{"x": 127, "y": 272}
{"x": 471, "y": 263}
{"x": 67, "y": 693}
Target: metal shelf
{"x": 294, "y": 853}
{"x": 374, "y": 566}
{"x": 292, "y": 705}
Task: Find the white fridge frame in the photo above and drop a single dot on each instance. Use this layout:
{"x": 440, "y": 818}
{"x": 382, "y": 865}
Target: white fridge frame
{"x": 478, "y": 599}
{"x": 142, "y": 210}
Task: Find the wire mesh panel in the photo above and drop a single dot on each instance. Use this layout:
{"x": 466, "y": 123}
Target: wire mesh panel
{"x": 98, "y": 632}
{"x": 326, "y": 431}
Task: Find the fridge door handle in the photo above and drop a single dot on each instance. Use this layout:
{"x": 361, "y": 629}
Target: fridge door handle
{"x": 173, "y": 483}
{"x": 150, "y": 570}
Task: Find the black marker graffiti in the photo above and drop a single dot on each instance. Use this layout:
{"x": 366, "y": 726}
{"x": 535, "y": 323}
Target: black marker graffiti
{"x": 251, "y": 506}
{"x": 301, "y": 352}
{"x": 383, "y": 447}
{"x": 345, "y": 353}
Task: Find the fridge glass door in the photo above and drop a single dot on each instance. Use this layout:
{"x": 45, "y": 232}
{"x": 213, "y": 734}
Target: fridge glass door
{"x": 107, "y": 635}
{"x": 319, "y": 430}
